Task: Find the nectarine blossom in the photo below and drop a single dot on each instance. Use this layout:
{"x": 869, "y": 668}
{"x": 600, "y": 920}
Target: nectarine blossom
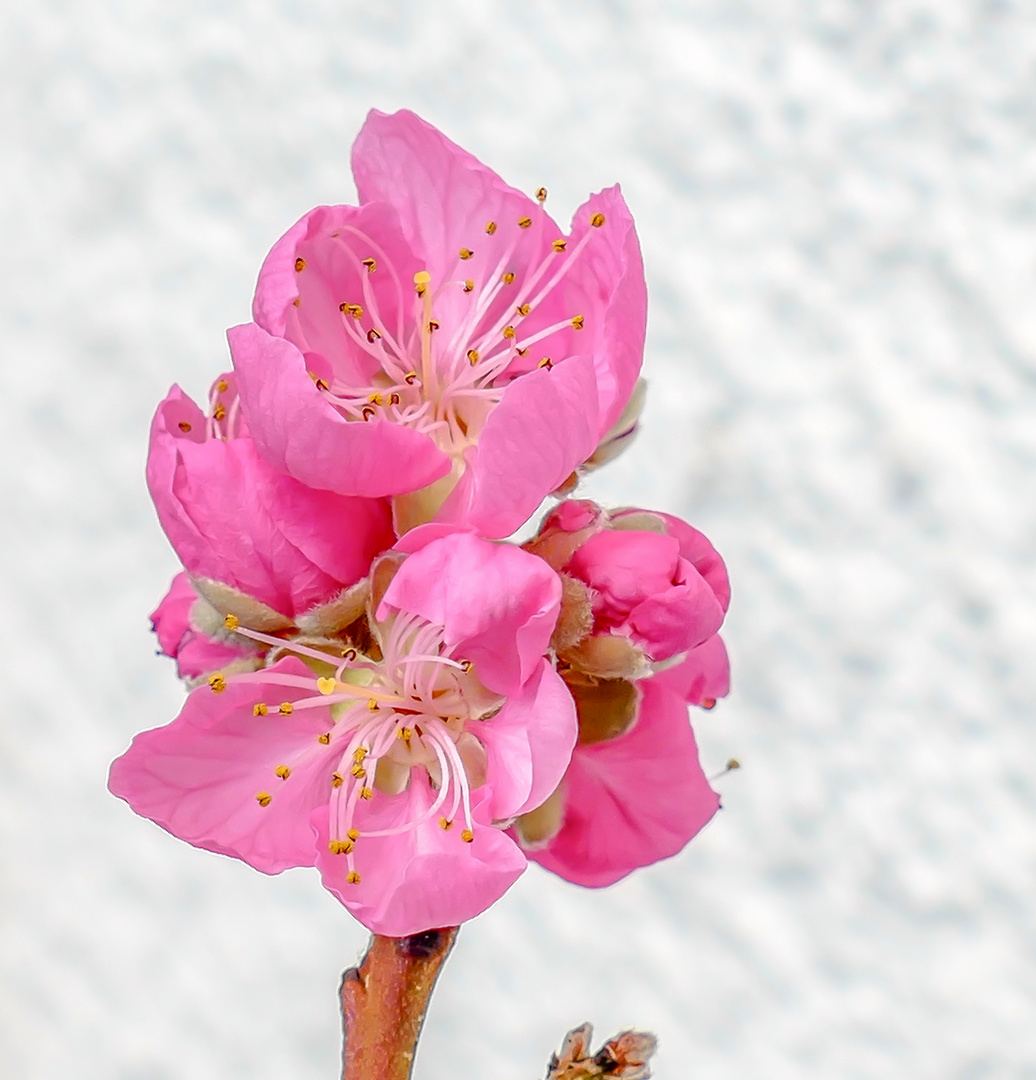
{"x": 444, "y": 342}
{"x": 391, "y": 758}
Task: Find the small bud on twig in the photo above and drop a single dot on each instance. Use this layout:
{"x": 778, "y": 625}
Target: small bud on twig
{"x": 626, "y": 1056}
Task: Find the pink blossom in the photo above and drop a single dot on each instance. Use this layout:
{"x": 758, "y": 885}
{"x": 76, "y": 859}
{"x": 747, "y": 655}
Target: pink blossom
{"x": 641, "y": 588}
{"x": 238, "y": 524}
{"x": 195, "y": 652}
{"x": 390, "y": 756}
{"x": 444, "y": 342}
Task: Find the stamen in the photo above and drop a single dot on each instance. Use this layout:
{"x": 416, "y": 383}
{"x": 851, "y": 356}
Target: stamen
{"x": 468, "y": 286}
{"x": 184, "y": 426}
{"x": 523, "y": 309}
{"x": 217, "y": 683}
{"x": 597, "y": 220}
{"x": 508, "y": 278}
{"x": 473, "y": 357}
{"x": 559, "y": 244}
{"x": 467, "y": 836}
{"x": 524, "y": 222}
{"x": 220, "y": 411}
{"x": 352, "y": 878}
{"x": 490, "y": 228}
{"x": 546, "y": 362}
{"x": 231, "y": 622}
{"x": 222, "y": 386}
{"x": 300, "y": 265}
{"x": 541, "y": 195}
{"x": 337, "y": 779}
{"x": 260, "y": 708}
{"x": 263, "y": 798}
{"x": 577, "y": 322}
{"x": 373, "y": 335}
{"x": 465, "y": 253}
{"x": 371, "y": 265}
{"x": 282, "y": 771}
{"x": 325, "y": 738}
{"x": 286, "y": 708}
{"x": 445, "y": 823}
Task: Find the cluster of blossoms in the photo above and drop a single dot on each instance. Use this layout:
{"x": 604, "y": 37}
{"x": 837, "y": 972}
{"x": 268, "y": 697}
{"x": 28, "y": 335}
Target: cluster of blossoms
{"x": 383, "y": 686}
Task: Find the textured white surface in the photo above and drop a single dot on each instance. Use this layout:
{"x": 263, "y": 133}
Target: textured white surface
{"x": 837, "y": 203}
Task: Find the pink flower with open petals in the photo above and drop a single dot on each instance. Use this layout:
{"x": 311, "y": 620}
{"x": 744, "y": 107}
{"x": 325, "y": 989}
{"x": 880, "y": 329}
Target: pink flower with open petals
{"x": 241, "y": 527}
{"x": 391, "y": 763}
{"x": 444, "y": 342}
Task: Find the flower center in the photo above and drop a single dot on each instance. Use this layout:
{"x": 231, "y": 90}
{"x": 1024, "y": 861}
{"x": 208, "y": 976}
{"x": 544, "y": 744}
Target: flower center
{"x": 467, "y": 336}
{"x": 407, "y": 711}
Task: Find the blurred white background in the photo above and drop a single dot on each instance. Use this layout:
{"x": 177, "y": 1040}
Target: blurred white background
{"x": 837, "y": 205}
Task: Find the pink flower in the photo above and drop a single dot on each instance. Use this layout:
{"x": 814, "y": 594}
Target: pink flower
{"x": 443, "y": 342}
{"x": 641, "y": 588}
{"x": 390, "y": 760}
{"x": 241, "y": 527}
{"x": 635, "y": 791}
{"x": 195, "y": 652}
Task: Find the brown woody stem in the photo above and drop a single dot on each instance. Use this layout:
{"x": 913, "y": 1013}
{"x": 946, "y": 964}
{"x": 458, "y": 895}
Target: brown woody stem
{"x": 384, "y": 1002}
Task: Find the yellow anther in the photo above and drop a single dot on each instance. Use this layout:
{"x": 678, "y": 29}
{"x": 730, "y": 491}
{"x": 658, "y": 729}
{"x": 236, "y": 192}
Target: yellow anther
{"x": 467, "y": 836}
{"x": 466, "y": 666}
{"x": 523, "y": 309}
{"x": 732, "y": 764}
{"x": 282, "y": 771}
{"x": 337, "y": 779}
{"x": 262, "y": 798}
{"x": 325, "y": 738}
{"x": 597, "y": 220}
{"x": 359, "y": 753}
{"x": 422, "y": 279}
{"x": 508, "y": 278}
{"x": 376, "y": 399}
{"x": 445, "y": 823}
{"x": 231, "y": 622}
{"x": 406, "y": 734}
{"x": 546, "y": 362}
{"x": 708, "y": 703}
{"x": 260, "y": 708}
{"x": 577, "y": 322}
{"x": 490, "y": 228}
{"x": 508, "y": 331}
{"x": 394, "y": 398}
{"x": 300, "y": 265}
{"x": 522, "y": 352}
{"x": 297, "y": 301}
{"x": 368, "y": 412}
{"x": 371, "y": 264}
{"x": 372, "y": 335}
{"x": 524, "y": 222}
{"x": 372, "y": 704}
{"x": 469, "y": 285}
{"x": 286, "y": 708}
{"x": 541, "y": 194}
{"x": 340, "y": 847}
{"x": 559, "y": 244}
{"x": 432, "y": 325}
{"x": 326, "y": 684}
{"x": 222, "y": 386}
{"x": 184, "y": 426}
{"x": 410, "y": 378}
{"x": 472, "y": 357}
{"x": 366, "y": 793}
{"x": 321, "y": 385}
{"x": 351, "y": 309}
{"x": 217, "y": 683}
{"x": 465, "y": 253}
{"x": 349, "y": 655}
{"x": 220, "y": 411}
{"x": 352, "y": 878}
{"x": 353, "y": 834}
{"x": 358, "y": 771}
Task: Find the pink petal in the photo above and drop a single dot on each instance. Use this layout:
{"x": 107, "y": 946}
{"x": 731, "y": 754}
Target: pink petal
{"x": 423, "y": 878}
{"x": 676, "y": 619}
{"x": 544, "y": 427}
{"x": 696, "y": 548}
{"x": 444, "y": 197}
{"x": 634, "y": 800}
{"x": 702, "y": 677}
{"x": 299, "y": 433}
{"x": 498, "y": 604}
{"x": 198, "y": 777}
{"x": 169, "y": 619}
{"x": 304, "y": 305}
{"x": 608, "y": 281}
{"x": 529, "y": 744}
{"x": 625, "y": 567}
